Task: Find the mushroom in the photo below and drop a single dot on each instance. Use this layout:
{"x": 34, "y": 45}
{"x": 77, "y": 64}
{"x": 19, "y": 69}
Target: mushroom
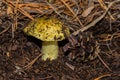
{"x": 49, "y": 31}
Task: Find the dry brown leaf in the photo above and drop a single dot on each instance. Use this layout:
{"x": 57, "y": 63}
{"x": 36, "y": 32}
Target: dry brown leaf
{"x": 9, "y": 10}
{"x": 87, "y": 11}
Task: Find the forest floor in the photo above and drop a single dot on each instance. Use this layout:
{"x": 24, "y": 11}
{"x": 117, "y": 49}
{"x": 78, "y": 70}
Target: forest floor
{"x": 20, "y": 54}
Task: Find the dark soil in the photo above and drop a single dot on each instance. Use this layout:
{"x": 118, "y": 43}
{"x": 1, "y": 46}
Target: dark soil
{"x": 17, "y": 50}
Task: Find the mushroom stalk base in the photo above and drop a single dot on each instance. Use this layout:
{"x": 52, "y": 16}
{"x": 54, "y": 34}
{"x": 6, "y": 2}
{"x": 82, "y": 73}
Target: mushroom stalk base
{"x": 49, "y": 50}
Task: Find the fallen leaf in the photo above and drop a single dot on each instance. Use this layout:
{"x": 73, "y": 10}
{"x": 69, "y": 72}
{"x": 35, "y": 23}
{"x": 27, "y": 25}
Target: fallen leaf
{"x": 87, "y": 11}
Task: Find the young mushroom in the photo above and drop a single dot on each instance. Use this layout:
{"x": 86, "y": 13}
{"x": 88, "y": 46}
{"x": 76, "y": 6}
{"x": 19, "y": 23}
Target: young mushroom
{"x": 49, "y": 31}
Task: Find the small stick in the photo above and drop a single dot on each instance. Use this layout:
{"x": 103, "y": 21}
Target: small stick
{"x": 72, "y": 12}
{"x": 32, "y": 62}
{"x": 99, "y": 78}
{"x": 70, "y": 66}
{"x": 95, "y": 21}
{"x": 104, "y": 63}
{"x": 54, "y": 9}
{"x": 4, "y": 30}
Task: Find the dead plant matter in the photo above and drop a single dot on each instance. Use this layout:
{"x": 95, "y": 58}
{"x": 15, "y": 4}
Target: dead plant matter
{"x": 82, "y": 47}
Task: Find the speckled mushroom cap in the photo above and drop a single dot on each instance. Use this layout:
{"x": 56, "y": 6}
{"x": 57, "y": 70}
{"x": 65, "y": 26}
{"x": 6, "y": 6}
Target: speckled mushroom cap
{"x": 47, "y": 29}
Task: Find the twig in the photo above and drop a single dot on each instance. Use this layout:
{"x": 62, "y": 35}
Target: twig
{"x": 32, "y": 62}
{"x": 96, "y": 20}
{"x": 15, "y": 19}
{"x": 72, "y": 12}
{"x": 91, "y": 24}
{"x": 105, "y": 7}
{"x": 19, "y": 9}
{"x": 4, "y": 30}
{"x": 70, "y": 66}
{"x": 54, "y": 9}
{"x": 109, "y": 37}
{"x": 104, "y": 63}
{"x": 48, "y": 77}
{"x": 98, "y": 78}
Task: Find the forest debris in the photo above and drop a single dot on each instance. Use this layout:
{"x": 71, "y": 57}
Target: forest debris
{"x": 72, "y": 12}
{"x": 82, "y": 47}
{"x": 9, "y": 10}
{"x": 105, "y": 7}
{"x": 29, "y": 65}
{"x": 96, "y": 20}
{"x": 55, "y": 9}
{"x": 70, "y": 66}
{"x": 99, "y": 78}
{"x": 87, "y": 11}
{"x": 4, "y": 30}
{"x": 8, "y": 54}
{"x": 91, "y": 24}
{"x": 11, "y": 4}
{"x": 104, "y": 63}
{"x": 108, "y": 37}
{"x": 38, "y": 8}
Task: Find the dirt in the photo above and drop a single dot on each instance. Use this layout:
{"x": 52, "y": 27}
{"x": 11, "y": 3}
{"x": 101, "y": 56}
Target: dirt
{"x": 18, "y": 50}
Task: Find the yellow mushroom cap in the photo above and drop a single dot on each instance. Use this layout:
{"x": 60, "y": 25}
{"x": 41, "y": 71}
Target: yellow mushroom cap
{"x": 47, "y": 29}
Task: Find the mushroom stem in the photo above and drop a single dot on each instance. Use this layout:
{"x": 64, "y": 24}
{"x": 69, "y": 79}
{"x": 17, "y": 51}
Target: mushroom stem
{"x": 49, "y": 50}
